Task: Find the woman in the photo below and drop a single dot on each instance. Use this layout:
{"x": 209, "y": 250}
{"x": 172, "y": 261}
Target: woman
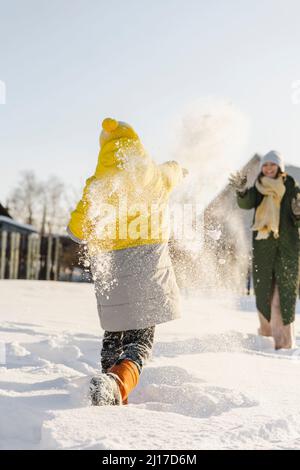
{"x": 275, "y": 197}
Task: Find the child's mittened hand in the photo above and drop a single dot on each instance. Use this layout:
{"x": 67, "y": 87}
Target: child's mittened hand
{"x": 296, "y": 205}
{"x": 238, "y": 181}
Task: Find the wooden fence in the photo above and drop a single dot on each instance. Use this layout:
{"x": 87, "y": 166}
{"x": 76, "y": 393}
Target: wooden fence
{"x": 29, "y": 256}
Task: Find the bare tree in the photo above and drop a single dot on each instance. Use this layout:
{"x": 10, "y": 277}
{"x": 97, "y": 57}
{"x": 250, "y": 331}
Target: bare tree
{"x": 43, "y": 204}
{"x": 53, "y": 211}
{"x": 24, "y": 199}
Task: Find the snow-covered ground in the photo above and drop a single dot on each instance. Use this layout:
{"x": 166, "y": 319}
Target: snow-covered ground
{"x": 212, "y": 382}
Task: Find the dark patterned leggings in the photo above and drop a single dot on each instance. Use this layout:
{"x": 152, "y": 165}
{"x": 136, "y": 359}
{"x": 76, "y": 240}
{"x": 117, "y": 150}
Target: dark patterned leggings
{"x": 135, "y": 345}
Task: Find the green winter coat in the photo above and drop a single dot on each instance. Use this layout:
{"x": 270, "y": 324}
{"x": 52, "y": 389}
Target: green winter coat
{"x": 276, "y": 259}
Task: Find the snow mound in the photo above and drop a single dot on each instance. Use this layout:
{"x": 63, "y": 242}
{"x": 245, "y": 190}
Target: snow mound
{"x": 212, "y": 383}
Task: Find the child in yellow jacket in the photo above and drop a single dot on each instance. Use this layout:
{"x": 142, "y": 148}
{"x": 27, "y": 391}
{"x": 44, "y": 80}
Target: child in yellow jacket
{"x": 122, "y": 219}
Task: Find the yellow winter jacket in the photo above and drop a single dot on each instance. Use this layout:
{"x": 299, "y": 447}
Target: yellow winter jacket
{"x": 123, "y": 202}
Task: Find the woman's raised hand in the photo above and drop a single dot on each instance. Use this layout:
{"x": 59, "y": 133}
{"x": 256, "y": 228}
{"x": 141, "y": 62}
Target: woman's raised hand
{"x": 238, "y": 181}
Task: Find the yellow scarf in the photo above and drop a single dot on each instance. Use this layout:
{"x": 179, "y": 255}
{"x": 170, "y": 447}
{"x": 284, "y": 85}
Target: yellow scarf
{"x": 267, "y": 215}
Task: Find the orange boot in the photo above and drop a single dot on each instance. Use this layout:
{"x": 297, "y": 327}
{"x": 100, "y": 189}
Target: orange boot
{"x": 127, "y": 376}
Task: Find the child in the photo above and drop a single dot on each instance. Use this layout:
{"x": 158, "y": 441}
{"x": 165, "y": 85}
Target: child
{"x": 134, "y": 279}
{"x": 276, "y": 246}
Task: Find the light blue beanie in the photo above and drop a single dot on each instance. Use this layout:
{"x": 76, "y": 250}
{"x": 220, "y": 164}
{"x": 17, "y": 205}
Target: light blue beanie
{"x": 273, "y": 157}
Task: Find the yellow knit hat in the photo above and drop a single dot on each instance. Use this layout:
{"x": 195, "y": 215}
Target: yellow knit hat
{"x": 118, "y": 143}
{"x": 113, "y": 130}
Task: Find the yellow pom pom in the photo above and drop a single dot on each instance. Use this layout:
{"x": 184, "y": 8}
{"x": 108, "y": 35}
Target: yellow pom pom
{"x": 110, "y": 125}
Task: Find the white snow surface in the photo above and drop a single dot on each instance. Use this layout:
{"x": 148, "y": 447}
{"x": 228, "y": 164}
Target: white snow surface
{"x": 211, "y": 383}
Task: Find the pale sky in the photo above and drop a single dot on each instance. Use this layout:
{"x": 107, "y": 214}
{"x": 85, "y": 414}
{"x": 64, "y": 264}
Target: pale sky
{"x": 67, "y": 64}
